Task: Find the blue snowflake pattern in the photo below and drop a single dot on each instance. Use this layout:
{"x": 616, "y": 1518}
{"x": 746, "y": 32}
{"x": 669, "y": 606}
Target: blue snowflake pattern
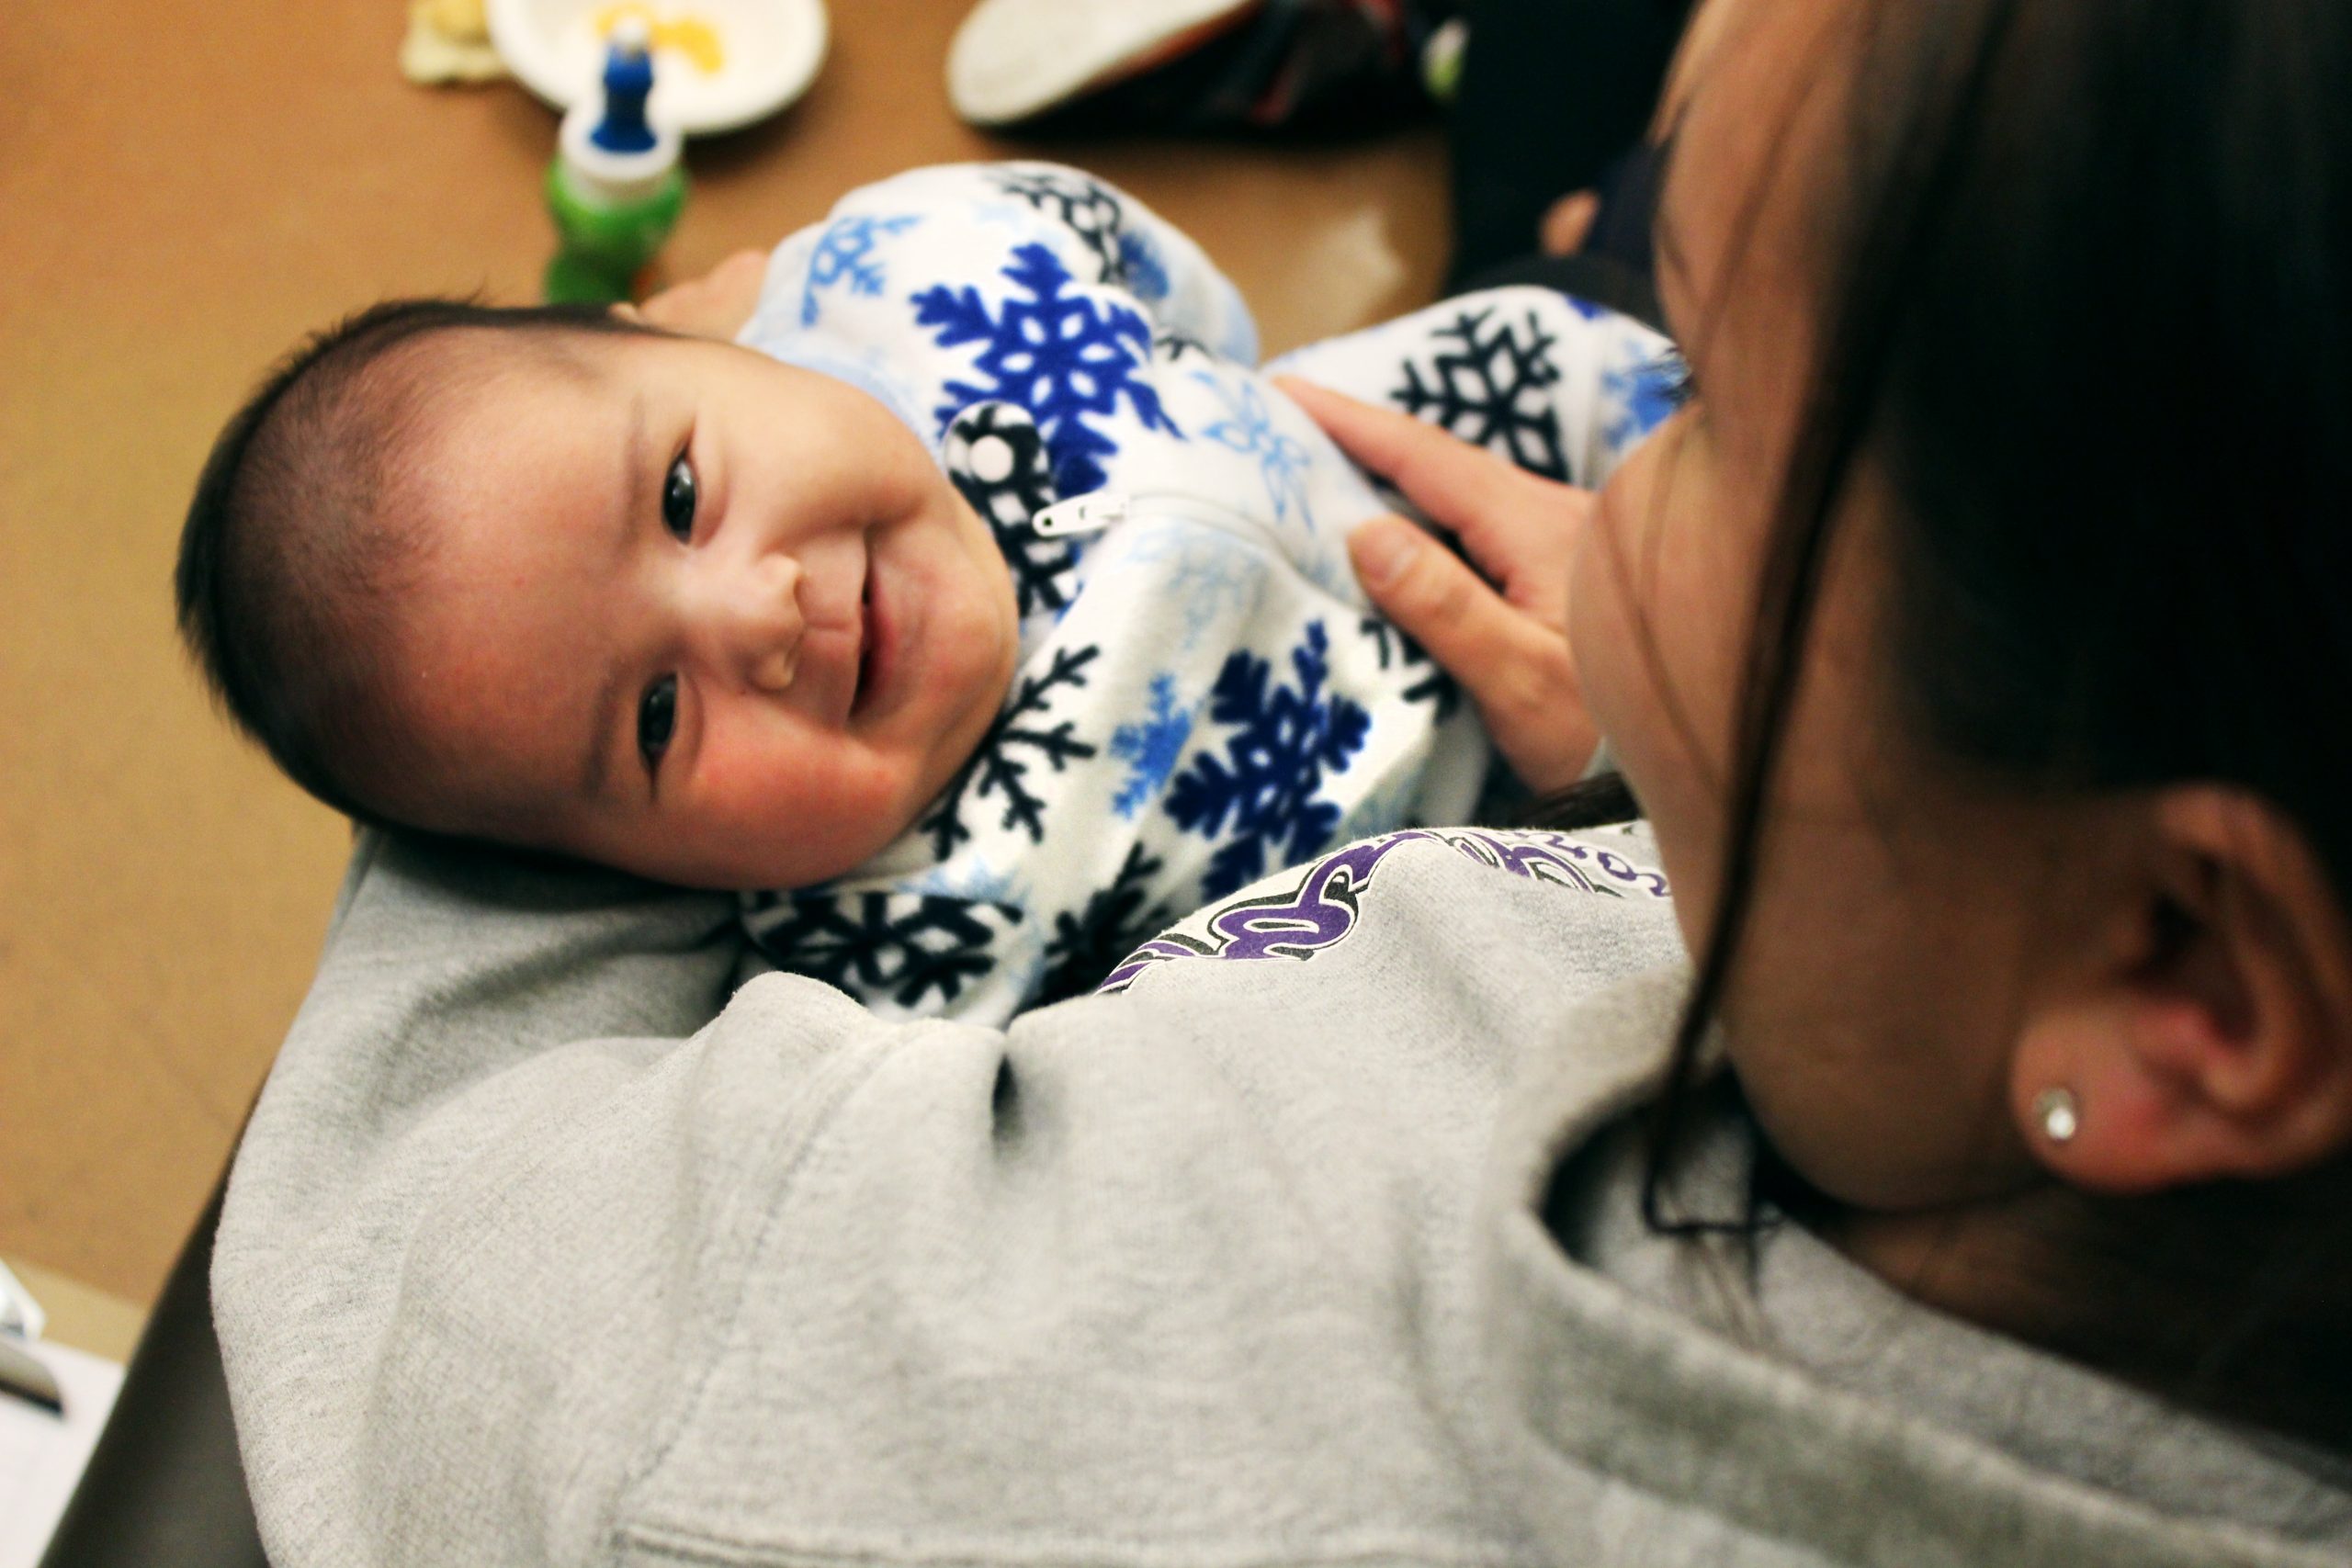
{"x": 1640, "y": 397}
{"x": 1140, "y": 266}
{"x": 846, "y": 256}
{"x": 1066, "y": 357}
{"x": 1288, "y": 738}
{"x": 976, "y": 882}
{"x": 1211, "y": 578}
{"x": 1249, "y": 429}
{"x": 1151, "y": 746}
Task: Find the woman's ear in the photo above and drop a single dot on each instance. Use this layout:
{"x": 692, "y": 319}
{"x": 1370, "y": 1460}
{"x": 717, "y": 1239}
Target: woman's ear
{"x": 2213, "y": 1039}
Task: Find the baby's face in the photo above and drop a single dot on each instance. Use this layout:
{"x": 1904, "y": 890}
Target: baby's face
{"x": 688, "y": 612}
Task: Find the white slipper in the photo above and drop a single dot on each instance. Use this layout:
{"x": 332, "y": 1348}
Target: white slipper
{"x": 1016, "y": 59}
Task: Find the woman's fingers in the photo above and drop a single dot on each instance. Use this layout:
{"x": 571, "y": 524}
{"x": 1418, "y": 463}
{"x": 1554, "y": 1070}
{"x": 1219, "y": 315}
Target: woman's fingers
{"x": 1514, "y": 665}
{"x": 1441, "y": 603}
{"x": 1517, "y": 528}
{"x": 1503, "y": 637}
{"x": 1459, "y": 486}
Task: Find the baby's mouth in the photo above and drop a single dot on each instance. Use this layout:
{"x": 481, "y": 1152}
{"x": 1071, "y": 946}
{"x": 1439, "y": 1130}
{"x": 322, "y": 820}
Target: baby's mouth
{"x": 867, "y": 645}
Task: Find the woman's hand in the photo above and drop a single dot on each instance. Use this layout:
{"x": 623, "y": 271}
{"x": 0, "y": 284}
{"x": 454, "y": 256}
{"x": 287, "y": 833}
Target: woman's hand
{"x": 717, "y": 304}
{"x": 1505, "y": 636}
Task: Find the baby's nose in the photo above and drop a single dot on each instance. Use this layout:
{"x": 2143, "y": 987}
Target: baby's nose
{"x": 762, "y": 623}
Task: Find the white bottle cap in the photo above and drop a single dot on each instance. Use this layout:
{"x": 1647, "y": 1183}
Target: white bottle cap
{"x": 598, "y": 173}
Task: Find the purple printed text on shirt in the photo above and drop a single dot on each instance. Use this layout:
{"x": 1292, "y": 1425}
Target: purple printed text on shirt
{"x": 1322, "y": 908}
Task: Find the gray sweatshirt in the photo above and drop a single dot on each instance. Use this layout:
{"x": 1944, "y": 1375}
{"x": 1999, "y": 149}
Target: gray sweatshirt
{"x": 1243, "y": 1263}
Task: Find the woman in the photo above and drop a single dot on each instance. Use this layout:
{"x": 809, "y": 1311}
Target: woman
{"x": 1393, "y": 1212}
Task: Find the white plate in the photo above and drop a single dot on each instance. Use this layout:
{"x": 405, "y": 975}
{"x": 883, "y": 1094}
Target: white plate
{"x": 769, "y": 53}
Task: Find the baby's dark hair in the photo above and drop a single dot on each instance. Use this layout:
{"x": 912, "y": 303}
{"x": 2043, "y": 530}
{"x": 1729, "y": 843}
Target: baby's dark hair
{"x": 294, "y": 550}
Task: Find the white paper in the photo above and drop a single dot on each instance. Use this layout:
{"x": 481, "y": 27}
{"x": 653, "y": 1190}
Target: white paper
{"x": 43, "y": 1454}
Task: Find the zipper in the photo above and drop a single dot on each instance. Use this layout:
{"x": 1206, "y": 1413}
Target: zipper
{"x": 1081, "y": 514}
{"x": 1092, "y": 513}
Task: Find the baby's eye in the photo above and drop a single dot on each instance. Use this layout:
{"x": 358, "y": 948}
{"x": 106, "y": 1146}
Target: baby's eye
{"x": 678, "y": 499}
{"x": 657, "y": 719}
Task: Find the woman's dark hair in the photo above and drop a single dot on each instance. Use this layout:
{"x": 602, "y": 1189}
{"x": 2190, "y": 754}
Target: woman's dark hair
{"x": 2087, "y": 302}
{"x": 289, "y": 557}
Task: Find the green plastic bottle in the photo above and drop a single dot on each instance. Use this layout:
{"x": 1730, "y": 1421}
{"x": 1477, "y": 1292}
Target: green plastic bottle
{"x": 616, "y": 185}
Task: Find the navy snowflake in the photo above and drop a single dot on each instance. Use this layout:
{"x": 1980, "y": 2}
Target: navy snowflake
{"x": 1124, "y": 257}
{"x": 996, "y": 457}
{"x": 1067, "y": 357}
{"x": 1116, "y": 919}
{"x": 1249, "y": 429}
{"x": 1493, "y": 388}
{"x": 1086, "y": 208}
{"x": 1017, "y": 741}
{"x": 1151, "y": 746}
{"x": 844, "y": 255}
{"x": 1285, "y": 739}
{"x": 1434, "y": 687}
{"x": 1175, "y": 347}
{"x": 898, "y": 947}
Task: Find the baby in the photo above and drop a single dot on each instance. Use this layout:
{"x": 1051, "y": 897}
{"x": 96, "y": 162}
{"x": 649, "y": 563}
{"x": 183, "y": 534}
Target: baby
{"x": 980, "y": 607}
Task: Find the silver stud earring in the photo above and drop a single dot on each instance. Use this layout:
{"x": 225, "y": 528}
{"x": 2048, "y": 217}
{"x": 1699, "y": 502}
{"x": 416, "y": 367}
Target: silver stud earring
{"x": 2060, "y": 1116}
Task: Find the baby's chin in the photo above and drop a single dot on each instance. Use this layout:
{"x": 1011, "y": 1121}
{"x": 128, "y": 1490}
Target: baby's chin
{"x": 790, "y": 863}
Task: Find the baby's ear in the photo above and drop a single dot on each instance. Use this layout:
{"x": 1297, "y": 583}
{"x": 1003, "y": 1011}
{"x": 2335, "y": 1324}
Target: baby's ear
{"x": 628, "y": 313}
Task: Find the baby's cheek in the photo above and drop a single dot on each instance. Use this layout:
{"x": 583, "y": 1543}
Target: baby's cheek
{"x": 737, "y": 776}
{"x": 854, "y": 798}
{"x": 751, "y": 790}
{"x": 886, "y": 789}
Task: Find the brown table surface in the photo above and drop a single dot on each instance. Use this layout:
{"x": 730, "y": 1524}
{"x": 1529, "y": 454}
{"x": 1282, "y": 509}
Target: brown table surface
{"x": 185, "y": 190}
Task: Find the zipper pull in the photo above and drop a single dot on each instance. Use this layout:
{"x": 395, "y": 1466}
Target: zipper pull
{"x": 1081, "y": 514}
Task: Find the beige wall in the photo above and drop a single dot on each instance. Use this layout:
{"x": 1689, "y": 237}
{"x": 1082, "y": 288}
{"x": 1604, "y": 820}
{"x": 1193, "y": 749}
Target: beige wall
{"x": 183, "y": 190}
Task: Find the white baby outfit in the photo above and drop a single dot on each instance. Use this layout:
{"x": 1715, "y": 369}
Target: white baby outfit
{"x": 1204, "y": 694}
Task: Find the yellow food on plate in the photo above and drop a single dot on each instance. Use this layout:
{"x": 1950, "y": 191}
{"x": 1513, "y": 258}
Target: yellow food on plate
{"x": 687, "y": 34}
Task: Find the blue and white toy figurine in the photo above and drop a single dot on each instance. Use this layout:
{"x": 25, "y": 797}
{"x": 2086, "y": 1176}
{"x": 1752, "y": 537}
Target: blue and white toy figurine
{"x": 616, "y": 185}
{"x": 628, "y": 82}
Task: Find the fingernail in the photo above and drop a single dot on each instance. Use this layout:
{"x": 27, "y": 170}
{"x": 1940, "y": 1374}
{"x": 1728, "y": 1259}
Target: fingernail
{"x": 1383, "y": 549}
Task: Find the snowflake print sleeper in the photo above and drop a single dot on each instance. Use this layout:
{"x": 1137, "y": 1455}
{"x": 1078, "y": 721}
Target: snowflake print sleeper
{"x": 1205, "y": 692}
